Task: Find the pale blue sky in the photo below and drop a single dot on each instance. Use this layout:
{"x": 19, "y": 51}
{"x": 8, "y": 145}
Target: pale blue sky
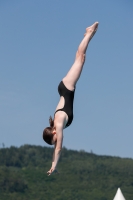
{"x": 38, "y": 42}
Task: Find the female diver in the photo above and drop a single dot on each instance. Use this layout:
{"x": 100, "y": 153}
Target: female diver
{"x": 63, "y": 116}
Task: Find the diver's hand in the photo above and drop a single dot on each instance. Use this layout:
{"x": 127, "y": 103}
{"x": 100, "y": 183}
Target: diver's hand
{"x": 51, "y": 171}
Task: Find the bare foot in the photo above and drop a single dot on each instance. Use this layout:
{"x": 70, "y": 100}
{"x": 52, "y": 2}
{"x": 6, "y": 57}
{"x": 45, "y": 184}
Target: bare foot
{"x": 91, "y": 30}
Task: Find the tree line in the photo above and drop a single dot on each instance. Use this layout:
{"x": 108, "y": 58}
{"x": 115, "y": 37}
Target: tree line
{"x": 82, "y": 175}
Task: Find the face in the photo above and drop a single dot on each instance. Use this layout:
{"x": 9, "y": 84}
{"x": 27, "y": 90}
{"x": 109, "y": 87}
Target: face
{"x": 54, "y": 137}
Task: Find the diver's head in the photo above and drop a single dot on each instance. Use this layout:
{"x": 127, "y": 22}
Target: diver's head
{"x": 49, "y": 133}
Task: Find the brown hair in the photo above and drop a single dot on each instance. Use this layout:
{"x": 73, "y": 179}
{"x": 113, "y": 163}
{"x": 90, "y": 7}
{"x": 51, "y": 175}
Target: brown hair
{"x": 47, "y": 133}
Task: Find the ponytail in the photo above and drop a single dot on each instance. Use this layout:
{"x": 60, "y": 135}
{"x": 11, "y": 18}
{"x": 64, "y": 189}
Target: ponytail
{"x": 51, "y": 122}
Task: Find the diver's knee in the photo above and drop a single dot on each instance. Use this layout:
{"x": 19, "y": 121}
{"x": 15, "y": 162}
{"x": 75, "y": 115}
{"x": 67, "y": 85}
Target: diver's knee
{"x": 80, "y": 56}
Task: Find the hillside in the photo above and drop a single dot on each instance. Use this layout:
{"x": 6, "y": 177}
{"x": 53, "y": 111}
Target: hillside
{"x": 82, "y": 175}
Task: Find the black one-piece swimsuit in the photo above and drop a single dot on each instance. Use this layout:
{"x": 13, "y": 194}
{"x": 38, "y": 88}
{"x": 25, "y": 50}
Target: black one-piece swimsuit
{"x": 68, "y": 105}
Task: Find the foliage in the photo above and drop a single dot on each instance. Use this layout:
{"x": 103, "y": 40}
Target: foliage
{"x": 82, "y": 175}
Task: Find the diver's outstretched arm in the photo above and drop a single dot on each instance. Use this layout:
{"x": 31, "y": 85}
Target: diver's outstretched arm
{"x": 58, "y": 148}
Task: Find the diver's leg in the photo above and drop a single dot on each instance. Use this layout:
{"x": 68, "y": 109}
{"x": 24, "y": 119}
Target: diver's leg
{"x": 73, "y": 74}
